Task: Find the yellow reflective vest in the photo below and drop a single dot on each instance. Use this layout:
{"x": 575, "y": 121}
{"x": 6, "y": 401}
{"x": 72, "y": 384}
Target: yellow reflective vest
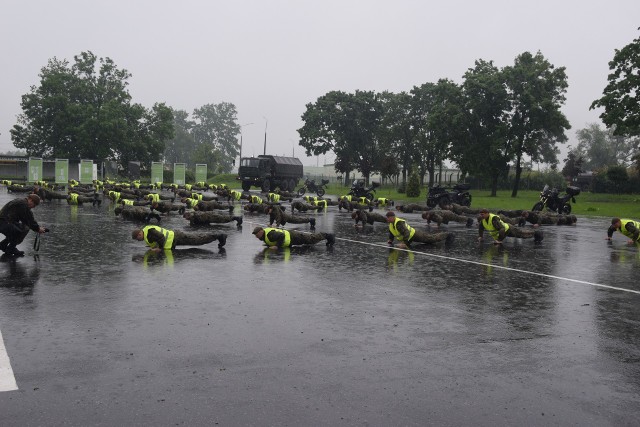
{"x": 488, "y": 225}
{"x": 168, "y": 236}
{"x": 393, "y": 228}
{"x": 287, "y": 237}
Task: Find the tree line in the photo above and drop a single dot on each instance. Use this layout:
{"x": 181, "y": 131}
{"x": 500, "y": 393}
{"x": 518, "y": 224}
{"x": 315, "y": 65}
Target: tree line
{"x": 84, "y": 110}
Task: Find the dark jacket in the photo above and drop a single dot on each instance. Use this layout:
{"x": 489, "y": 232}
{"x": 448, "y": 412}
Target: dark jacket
{"x": 17, "y": 211}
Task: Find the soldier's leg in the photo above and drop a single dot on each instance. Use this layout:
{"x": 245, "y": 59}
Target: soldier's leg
{"x": 525, "y": 233}
{"x": 307, "y": 238}
{"x": 422, "y": 237}
{"x": 181, "y": 238}
{"x": 293, "y": 219}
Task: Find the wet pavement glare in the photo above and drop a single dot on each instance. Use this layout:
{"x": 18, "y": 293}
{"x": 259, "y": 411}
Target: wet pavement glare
{"x": 101, "y": 332}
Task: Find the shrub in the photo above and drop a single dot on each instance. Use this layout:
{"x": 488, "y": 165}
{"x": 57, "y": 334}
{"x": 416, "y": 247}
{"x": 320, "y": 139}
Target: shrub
{"x": 413, "y": 186}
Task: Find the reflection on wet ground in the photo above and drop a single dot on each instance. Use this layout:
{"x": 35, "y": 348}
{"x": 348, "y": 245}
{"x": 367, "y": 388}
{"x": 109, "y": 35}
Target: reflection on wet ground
{"x": 368, "y": 334}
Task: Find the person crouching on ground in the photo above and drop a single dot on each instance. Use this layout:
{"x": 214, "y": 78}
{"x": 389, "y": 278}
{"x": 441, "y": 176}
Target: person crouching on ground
{"x": 399, "y": 229}
{"x": 628, "y": 227}
{"x": 499, "y": 229}
{"x": 159, "y": 239}
{"x": 277, "y": 238}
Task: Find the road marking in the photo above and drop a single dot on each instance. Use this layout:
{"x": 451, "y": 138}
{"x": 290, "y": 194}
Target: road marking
{"x": 501, "y": 267}
{"x": 7, "y": 380}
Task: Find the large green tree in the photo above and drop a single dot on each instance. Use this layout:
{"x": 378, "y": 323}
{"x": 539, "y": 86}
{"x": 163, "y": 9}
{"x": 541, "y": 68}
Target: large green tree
{"x": 180, "y": 148}
{"x": 397, "y": 133}
{"x": 84, "y": 110}
{"x": 536, "y": 91}
{"x": 620, "y": 96}
{"x": 603, "y": 147}
{"x": 346, "y": 124}
{"x": 484, "y": 150}
{"x": 215, "y": 134}
{"x": 439, "y": 113}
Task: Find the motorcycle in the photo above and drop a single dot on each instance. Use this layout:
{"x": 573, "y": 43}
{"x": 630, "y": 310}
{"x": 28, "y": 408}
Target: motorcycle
{"x": 551, "y": 199}
{"x": 312, "y": 187}
{"x": 443, "y": 196}
{"x": 359, "y": 190}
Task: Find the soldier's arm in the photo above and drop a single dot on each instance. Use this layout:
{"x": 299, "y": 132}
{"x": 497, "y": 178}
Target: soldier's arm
{"x": 277, "y": 238}
{"x": 633, "y": 230}
{"x": 498, "y": 225}
{"x": 610, "y": 231}
{"x": 155, "y": 236}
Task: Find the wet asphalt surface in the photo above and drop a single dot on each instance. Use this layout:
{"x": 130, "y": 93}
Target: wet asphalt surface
{"x": 100, "y": 333}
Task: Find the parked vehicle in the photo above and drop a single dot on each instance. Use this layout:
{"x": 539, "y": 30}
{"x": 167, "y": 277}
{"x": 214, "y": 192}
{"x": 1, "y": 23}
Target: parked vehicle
{"x": 553, "y": 201}
{"x": 358, "y": 189}
{"x": 442, "y": 196}
{"x": 269, "y": 172}
{"x": 311, "y": 186}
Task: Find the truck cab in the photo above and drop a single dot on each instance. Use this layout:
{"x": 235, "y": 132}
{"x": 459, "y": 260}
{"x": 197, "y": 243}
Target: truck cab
{"x": 269, "y": 172}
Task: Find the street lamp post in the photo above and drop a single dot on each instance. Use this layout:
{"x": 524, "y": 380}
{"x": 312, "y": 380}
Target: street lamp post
{"x": 265, "y": 135}
{"x": 241, "y": 126}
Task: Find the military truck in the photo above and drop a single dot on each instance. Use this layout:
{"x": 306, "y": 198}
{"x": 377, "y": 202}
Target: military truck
{"x": 269, "y": 172}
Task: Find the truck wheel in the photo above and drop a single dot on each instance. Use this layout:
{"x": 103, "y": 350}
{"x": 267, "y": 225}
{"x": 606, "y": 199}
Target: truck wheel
{"x": 284, "y": 185}
{"x": 266, "y": 186}
{"x": 246, "y": 185}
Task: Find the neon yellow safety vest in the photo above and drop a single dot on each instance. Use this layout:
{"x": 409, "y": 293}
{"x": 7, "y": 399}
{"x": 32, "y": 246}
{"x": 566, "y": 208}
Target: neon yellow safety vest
{"x": 154, "y": 197}
{"x": 275, "y": 198}
{"x": 192, "y": 203}
{"x": 188, "y": 187}
{"x": 196, "y": 196}
{"x": 115, "y": 195}
{"x": 310, "y": 198}
{"x": 488, "y": 225}
{"x": 256, "y": 199}
{"x": 347, "y": 198}
{"x": 236, "y": 194}
{"x": 623, "y": 225}
{"x": 287, "y": 237}
{"x": 363, "y": 200}
{"x": 73, "y": 198}
{"x": 127, "y": 202}
{"x": 322, "y": 203}
{"x": 393, "y": 228}
{"x": 168, "y": 236}
{"x": 201, "y": 184}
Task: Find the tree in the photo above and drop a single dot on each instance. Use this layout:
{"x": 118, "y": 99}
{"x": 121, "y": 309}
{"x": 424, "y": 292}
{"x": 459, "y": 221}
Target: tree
{"x": 536, "y": 92}
{"x": 215, "y": 134}
{"x": 84, "y": 110}
{"x": 572, "y": 165}
{"x": 603, "y": 147}
{"x": 180, "y": 148}
{"x": 439, "y": 116}
{"x": 397, "y": 133}
{"x": 618, "y": 176}
{"x": 483, "y": 149}
{"x": 620, "y": 96}
{"x": 346, "y": 124}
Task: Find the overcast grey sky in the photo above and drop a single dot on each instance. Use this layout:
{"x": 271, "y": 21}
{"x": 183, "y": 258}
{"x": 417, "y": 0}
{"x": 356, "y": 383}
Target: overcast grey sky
{"x": 271, "y": 58}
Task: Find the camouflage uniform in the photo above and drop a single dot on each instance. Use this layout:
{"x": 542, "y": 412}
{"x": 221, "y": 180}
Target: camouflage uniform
{"x": 166, "y": 207}
{"x": 277, "y": 237}
{"x": 418, "y": 236}
{"x": 136, "y": 213}
{"x": 211, "y": 205}
{"x": 412, "y": 207}
{"x": 180, "y": 238}
{"x": 209, "y": 217}
{"x": 252, "y": 207}
{"x": 462, "y": 210}
{"x": 540, "y": 218}
{"x": 368, "y": 218}
{"x": 303, "y": 207}
{"x": 278, "y": 216}
{"x": 445, "y": 216}
{"x": 512, "y": 231}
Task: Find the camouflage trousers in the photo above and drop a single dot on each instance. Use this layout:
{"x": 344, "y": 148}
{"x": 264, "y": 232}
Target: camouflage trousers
{"x": 180, "y": 238}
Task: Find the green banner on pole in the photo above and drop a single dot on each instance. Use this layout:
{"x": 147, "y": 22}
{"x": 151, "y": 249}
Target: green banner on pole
{"x": 35, "y": 169}
{"x": 86, "y": 171}
{"x": 62, "y": 171}
{"x": 179, "y": 170}
{"x": 157, "y": 172}
{"x": 201, "y": 172}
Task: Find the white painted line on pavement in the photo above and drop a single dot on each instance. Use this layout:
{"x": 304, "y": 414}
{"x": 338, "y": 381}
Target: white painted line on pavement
{"x": 7, "y": 380}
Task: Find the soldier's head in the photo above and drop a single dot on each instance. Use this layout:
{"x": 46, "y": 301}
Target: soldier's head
{"x": 525, "y": 214}
{"x": 391, "y": 216}
{"x": 258, "y": 232}
{"x": 426, "y": 215}
{"x": 616, "y": 223}
{"x": 33, "y": 200}
{"x": 186, "y": 215}
{"x": 137, "y": 234}
{"x": 484, "y": 213}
